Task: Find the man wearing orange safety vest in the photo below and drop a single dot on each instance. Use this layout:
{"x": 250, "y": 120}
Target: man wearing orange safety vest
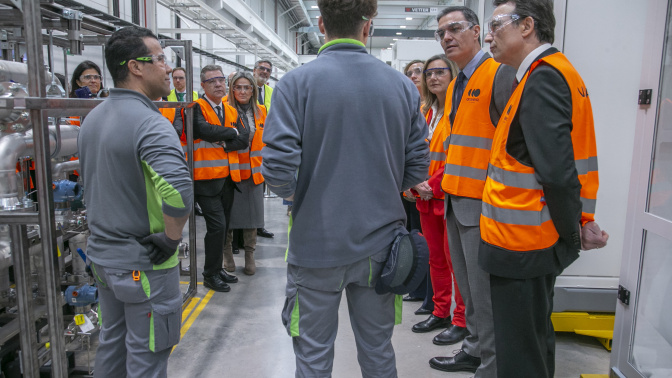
{"x": 541, "y": 187}
{"x": 218, "y": 135}
{"x": 475, "y": 100}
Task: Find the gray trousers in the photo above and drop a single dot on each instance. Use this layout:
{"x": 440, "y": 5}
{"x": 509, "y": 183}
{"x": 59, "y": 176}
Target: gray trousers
{"x": 140, "y": 321}
{"x": 474, "y": 284}
{"x": 311, "y": 317}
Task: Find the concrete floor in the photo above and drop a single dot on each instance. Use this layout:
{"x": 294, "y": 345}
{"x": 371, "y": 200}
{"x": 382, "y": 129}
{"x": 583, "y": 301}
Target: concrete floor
{"x": 239, "y": 333}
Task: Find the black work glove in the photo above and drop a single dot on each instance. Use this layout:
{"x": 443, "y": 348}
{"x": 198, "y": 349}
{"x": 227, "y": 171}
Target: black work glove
{"x": 160, "y": 247}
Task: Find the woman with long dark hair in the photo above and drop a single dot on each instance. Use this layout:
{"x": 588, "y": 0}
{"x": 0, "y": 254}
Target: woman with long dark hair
{"x": 87, "y": 74}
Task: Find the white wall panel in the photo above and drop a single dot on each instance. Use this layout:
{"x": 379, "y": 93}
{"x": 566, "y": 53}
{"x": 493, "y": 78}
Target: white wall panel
{"x": 610, "y": 65}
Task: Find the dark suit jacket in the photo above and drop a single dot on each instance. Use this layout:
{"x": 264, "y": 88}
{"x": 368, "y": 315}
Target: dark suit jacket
{"x": 214, "y": 134}
{"x": 540, "y": 137}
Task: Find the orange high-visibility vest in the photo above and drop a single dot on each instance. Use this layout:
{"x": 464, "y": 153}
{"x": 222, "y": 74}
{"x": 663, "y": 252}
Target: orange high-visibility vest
{"x": 250, "y": 158}
{"x": 210, "y": 159}
{"x": 437, "y": 153}
{"x": 468, "y": 141}
{"x": 168, "y": 113}
{"x": 515, "y": 216}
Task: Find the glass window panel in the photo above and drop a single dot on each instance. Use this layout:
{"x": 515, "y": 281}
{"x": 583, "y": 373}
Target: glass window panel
{"x": 651, "y": 352}
{"x": 660, "y": 192}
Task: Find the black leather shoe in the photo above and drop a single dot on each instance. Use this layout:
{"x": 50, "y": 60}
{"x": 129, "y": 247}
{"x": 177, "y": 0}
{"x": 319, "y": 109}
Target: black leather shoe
{"x": 408, "y": 298}
{"x": 450, "y": 336}
{"x": 227, "y": 277}
{"x": 235, "y": 250}
{"x": 264, "y": 233}
{"x": 432, "y": 323}
{"x": 423, "y": 311}
{"x": 460, "y": 362}
{"x": 215, "y": 283}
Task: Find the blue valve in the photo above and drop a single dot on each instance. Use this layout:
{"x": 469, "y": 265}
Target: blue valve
{"x": 81, "y": 295}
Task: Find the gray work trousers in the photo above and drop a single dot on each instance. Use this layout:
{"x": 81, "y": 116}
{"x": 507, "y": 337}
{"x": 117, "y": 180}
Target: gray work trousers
{"x": 311, "y": 317}
{"x": 474, "y": 283}
{"x": 140, "y": 321}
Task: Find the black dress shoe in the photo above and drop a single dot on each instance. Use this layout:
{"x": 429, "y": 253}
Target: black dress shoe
{"x": 235, "y": 250}
{"x": 215, "y": 283}
{"x": 432, "y": 323}
{"x": 460, "y": 362}
{"x": 227, "y": 277}
{"x": 264, "y": 233}
{"x": 408, "y": 298}
{"x": 423, "y": 311}
{"x": 450, "y": 336}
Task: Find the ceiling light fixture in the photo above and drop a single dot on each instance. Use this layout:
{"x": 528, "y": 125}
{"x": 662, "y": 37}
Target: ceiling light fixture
{"x": 399, "y": 33}
{"x": 402, "y": 27}
{"x": 314, "y": 6}
{"x": 409, "y": 18}
{"x": 395, "y": 39}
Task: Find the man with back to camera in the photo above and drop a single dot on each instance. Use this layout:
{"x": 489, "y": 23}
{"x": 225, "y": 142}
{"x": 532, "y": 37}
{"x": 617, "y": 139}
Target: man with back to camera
{"x": 180, "y": 84}
{"x": 354, "y": 154}
{"x": 138, "y": 197}
{"x": 218, "y": 135}
{"x": 541, "y": 187}
{"x": 476, "y": 99}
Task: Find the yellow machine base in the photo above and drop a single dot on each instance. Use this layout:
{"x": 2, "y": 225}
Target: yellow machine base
{"x": 598, "y": 325}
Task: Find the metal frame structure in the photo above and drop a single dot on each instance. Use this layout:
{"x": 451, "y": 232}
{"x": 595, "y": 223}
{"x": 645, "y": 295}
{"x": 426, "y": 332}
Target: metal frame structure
{"x": 40, "y": 108}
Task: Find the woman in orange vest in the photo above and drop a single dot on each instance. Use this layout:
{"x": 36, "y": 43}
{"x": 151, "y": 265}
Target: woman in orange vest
{"x": 247, "y": 212}
{"x": 437, "y": 74}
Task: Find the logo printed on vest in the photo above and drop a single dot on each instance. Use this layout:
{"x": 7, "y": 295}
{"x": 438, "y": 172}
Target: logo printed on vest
{"x": 509, "y": 109}
{"x": 583, "y": 91}
{"x": 473, "y": 94}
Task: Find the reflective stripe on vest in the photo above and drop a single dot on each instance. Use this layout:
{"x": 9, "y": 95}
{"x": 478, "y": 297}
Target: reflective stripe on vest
{"x": 437, "y": 154}
{"x": 210, "y": 159}
{"x": 250, "y": 158}
{"x": 514, "y": 215}
{"x": 469, "y": 140}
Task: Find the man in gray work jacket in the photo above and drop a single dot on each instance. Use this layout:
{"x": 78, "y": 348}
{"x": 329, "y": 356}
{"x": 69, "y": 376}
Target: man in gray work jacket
{"x": 354, "y": 150}
{"x": 138, "y": 196}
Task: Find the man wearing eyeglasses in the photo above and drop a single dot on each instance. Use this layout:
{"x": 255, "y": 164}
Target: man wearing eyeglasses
{"x": 180, "y": 84}
{"x": 262, "y": 72}
{"x": 218, "y": 135}
{"x": 541, "y": 187}
{"x": 476, "y": 99}
{"x": 343, "y": 156}
{"x": 138, "y": 198}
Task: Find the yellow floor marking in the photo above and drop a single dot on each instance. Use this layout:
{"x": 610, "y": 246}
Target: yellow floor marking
{"x": 187, "y": 311}
{"x": 187, "y": 283}
{"x": 195, "y": 314}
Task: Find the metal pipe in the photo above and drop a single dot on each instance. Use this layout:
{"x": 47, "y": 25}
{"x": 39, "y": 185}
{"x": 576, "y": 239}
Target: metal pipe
{"x": 18, "y": 72}
{"x": 32, "y": 21}
{"x": 65, "y": 166}
{"x": 78, "y": 264}
{"x": 24, "y": 297}
{"x": 189, "y": 119}
{"x": 13, "y": 146}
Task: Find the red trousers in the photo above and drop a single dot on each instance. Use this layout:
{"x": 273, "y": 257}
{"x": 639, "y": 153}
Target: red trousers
{"x": 440, "y": 267}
